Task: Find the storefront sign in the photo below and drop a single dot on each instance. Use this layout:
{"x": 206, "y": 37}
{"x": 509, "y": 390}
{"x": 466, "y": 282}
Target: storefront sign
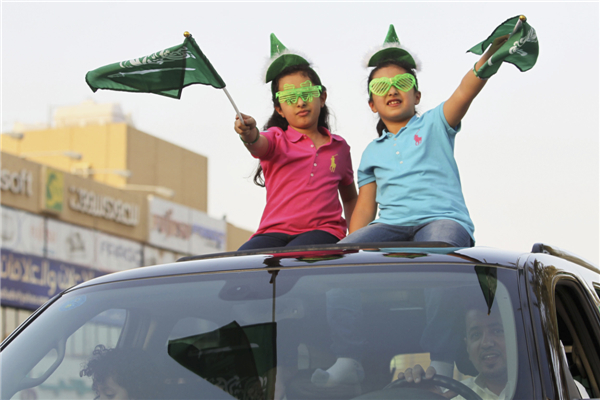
{"x": 116, "y": 254}
{"x": 22, "y": 232}
{"x": 17, "y": 182}
{"x": 183, "y": 229}
{"x": 70, "y": 243}
{"x": 88, "y": 202}
{"x": 169, "y": 225}
{"x": 30, "y": 281}
{"x": 209, "y": 235}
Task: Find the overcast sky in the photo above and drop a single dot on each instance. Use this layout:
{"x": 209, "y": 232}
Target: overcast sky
{"x": 527, "y": 152}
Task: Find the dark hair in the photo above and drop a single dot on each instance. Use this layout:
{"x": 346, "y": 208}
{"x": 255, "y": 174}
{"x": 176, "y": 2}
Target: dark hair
{"x": 131, "y": 369}
{"x": 277, "y": 120}
{"x": 386, "y": 63}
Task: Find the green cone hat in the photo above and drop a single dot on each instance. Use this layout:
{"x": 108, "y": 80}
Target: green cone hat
{"x": 392, "y": 51}
{"x": 281, "y": 59}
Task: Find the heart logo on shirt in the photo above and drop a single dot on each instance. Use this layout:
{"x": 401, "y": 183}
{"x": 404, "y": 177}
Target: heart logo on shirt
{"x": 418, "y": 139}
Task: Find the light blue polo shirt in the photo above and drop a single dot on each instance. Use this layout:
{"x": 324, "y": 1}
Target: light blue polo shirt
{"x": 416, "y": 173}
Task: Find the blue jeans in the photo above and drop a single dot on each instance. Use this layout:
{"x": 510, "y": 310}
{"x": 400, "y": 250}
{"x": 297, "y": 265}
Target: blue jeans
{"x": 277, "y": 239}
{"x": 441, "y": 230}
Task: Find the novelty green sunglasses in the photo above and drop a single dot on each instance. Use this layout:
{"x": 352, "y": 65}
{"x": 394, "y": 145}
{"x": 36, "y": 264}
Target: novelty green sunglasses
{"x": 403, "y": 82}
{"x": 290, "y": 94}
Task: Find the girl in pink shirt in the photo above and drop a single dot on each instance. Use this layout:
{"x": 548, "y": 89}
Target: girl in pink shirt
{"x": 305, "y": 166}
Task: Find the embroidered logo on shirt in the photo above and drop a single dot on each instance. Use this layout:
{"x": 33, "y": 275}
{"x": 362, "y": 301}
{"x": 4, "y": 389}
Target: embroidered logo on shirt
{"x": 418, "y": 139}
{"x": 333, "y": 164}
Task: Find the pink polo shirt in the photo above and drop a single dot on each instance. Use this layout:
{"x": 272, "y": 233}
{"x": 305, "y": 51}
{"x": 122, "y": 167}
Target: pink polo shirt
{"x": 302, "y": 183}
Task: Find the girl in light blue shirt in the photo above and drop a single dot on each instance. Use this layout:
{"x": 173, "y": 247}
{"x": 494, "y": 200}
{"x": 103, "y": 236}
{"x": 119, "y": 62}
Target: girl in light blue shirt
{"x": 410, "y": 171}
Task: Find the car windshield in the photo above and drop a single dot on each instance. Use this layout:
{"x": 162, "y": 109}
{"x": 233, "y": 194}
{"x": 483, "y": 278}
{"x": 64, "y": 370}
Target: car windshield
{"x": 274, "y": 333}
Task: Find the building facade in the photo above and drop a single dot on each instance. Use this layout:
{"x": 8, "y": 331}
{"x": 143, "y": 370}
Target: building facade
{"x": 85, "y": 199}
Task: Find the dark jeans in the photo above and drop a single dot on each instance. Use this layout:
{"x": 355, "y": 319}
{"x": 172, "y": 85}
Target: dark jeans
{"x": 277, "y": 239}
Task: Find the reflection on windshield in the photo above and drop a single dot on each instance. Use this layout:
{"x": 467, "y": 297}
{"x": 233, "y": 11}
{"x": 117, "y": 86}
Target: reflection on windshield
{"x": 234, "y": 358}
{"x": 117, "y": 374}
{"x": 261, "y": 335}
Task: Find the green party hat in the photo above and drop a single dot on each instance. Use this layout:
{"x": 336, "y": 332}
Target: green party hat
{"x": 392, "y": 51}
{"x": 281, "y": 59}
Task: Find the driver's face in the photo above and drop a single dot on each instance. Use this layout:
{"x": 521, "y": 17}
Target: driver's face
{"x": 485, "y": 343}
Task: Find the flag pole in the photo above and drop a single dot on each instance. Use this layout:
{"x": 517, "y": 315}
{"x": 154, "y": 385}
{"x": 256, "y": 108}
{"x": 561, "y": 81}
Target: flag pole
{"x": 517, "y": 27}
{"x": 187, "y": 34}
{"x": 522, "y": 19}
{"x": 234, "y": 106}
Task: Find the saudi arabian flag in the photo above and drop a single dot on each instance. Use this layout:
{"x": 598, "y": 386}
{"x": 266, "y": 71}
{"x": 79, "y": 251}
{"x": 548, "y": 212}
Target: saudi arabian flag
{"x": 165, "y": 72}
{"x": 521, "y": 49}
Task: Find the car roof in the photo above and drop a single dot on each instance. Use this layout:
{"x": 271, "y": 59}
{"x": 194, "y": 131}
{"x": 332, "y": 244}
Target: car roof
{"x": 320, "y": 256}
{"x": 338, "y": 255}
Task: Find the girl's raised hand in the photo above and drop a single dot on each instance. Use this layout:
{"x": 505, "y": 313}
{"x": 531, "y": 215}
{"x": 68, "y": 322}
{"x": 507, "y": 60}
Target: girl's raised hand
{"x": 248, "y": 126}
{"x": 457, "y": 105}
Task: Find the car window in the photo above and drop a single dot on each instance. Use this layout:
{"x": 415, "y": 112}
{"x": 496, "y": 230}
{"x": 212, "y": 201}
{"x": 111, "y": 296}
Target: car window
{"x": 578, "y": 334}
{"x": 63, "y": 362}
{"x": 273, "y": 333}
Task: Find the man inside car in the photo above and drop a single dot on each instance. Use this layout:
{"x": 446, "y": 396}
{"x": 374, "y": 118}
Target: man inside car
{"x": 487, "y": 351}
{"x": 486, "y": 347}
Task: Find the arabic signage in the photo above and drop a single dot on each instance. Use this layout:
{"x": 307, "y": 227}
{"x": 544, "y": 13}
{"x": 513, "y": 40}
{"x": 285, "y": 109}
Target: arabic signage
{"x": 107, "y": 207}
{"x": 29, "y": 281}
{"x": 91, "y": 204}
{"x": 183, "y": 229}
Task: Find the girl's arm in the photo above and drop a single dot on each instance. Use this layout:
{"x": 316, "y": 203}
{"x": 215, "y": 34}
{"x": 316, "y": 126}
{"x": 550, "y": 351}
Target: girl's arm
{"x": 256, "y": 143}
{"x": 349, "y": 196}
{"x": 457, "y": 105}
{"x": 366, "y": 207}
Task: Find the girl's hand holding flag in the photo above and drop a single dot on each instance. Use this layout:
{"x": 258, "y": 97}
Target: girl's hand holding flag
{"x": 514, "y": 41}
{"x": 246, "y": 126}
{"x": 521, "y": 49}
{"x": 250, "y": 135}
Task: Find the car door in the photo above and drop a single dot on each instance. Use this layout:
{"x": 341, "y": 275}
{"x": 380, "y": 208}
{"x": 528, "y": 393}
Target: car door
{"x": 568, "y": 335}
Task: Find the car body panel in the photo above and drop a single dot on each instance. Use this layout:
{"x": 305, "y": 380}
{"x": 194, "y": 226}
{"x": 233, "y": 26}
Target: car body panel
{"x": 534, "y": 277}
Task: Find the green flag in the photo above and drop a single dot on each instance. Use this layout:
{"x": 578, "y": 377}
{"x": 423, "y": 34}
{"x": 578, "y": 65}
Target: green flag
{"x": 521, "y": 49}
{"x": 488, "y": 281}
{"x": 165, "y": 72}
